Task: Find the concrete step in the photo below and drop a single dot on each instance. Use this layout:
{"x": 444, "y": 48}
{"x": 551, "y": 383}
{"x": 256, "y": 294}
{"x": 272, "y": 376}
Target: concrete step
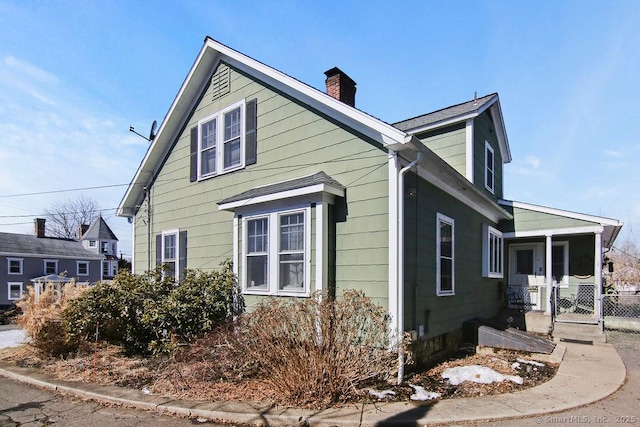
{"x": 578, "y": 332}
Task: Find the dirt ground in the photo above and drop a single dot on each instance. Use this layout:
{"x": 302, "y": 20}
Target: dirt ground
{"x": 170, "y": 377}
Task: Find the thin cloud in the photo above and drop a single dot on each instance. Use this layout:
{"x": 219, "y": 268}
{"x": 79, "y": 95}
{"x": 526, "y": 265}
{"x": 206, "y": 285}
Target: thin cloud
{"x": 613, "y": 153}
{"x": 67, "y": 144}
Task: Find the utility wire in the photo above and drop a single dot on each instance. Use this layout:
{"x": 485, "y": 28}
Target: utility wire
{"x": 63, "y": 191}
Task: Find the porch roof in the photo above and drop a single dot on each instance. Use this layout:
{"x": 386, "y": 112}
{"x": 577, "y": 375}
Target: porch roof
{"x": 531, "y": 220}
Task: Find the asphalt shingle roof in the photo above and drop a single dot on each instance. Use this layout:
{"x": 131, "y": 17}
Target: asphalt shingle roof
{"x": 444, "y": 114}
{"x": 26, "y": 244}
{"x": 294, "y": 184}
{"x": 99, "y": 230}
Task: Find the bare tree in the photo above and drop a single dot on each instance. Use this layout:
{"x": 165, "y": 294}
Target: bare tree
{"x": 64, "y": 218}
{"x": 626, "y": 259}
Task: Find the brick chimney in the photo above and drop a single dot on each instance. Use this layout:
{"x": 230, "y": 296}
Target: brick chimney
{"x": 39, "y": 226}
{"x": 340, "y": 86}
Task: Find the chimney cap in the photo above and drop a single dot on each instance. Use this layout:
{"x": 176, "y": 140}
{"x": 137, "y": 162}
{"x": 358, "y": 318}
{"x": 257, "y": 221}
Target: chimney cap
{"x": 335, "y": 70}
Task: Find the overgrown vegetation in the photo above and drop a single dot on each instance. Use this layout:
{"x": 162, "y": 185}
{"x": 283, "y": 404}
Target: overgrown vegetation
{"x": 42, "y": 318}
{"x": 301, "y": 351}
{"x": 318, "y": 351}
{"x": 150, "y": 313}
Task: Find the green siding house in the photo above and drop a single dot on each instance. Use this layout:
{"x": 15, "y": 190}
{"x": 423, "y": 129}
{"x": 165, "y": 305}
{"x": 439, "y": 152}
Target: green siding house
{"x": 306, "y": 193}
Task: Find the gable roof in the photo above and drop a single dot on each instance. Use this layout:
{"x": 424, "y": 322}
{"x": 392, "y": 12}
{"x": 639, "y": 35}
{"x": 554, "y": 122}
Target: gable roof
{"x": 99, "y": 230}
{"x": 461, "y": 113}
{"x": 211, "y": 54}
{"x": 27, "y": 245}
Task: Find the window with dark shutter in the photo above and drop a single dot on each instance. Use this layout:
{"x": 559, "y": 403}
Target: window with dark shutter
{"x": 251, "y": 126}
{"x": 194, "y": 155}
{"x": 218, "y": 142}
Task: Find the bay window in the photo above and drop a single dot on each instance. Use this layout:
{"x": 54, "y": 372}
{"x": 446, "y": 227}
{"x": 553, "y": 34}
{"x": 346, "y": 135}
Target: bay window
{"x": 276, "y": 252}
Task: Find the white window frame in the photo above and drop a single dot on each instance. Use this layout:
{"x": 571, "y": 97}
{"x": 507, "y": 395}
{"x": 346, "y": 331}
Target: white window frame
{"x": 92, "y": 243}
{"x": 219, "y": 145}
{"x": 9, "y": 286}
{"x": 78, "y": 263}
{"x": 21, "y": 263}
{"x": 55, "y": 263}
{"x": 492, "y": 267}
{"x": 176, "y": 259}
{"x": 565, "y": 279}
{"x": 273, "y": 253}
{"x": 491, "y": 186}
{"x": 440, "y": 218}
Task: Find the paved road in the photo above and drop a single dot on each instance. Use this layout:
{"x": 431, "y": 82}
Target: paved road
{"x": 26, "y": 406}
{"x": 621, "y": 408}
{"x": 22, "y": 405}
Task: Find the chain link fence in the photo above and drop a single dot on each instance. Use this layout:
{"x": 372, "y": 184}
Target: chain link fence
{"x": 621, "y": 312}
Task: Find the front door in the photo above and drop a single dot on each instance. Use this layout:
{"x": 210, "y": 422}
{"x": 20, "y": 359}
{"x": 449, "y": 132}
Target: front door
{"x": 526, "y": 272}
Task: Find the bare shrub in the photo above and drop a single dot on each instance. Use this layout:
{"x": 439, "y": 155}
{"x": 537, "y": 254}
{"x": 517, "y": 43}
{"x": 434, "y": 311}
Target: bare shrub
{"x": 318, "y": 351}
{"x": 42, "y": 319}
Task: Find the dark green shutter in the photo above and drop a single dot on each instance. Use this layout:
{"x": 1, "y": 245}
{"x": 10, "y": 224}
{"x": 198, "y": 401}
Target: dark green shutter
{"x": 251, "y": 140}
{"x": 158, "y": 249}
{"x": 182, "y": 256}
{"x": 194, "y": 154}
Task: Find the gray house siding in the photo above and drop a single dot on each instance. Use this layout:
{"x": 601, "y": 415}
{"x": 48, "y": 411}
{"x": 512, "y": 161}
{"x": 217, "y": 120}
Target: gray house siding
{"x": 33, "y": 267}
{"x": 474, "y": 296}
{"x": 293, "y": 141}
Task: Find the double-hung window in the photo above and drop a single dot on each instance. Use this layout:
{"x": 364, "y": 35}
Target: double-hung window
{"x": 257, "y": 254}
{"x": 170, "y": 253}
{"x": 445, "y": 255}
{"x": 492, "y": 252}
{"x": 14, "y": 265}
{"x": 15, "y": 291}
{"x": 490, "y": 163}
{"x": 276, "y": 253}
{"x": 50, "y": 266}
{"x": 83, "y": 268}
{"x": 221, "y": 141}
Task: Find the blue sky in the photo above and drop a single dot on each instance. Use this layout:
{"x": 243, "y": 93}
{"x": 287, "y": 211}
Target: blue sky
{"x": 74, "y": 75}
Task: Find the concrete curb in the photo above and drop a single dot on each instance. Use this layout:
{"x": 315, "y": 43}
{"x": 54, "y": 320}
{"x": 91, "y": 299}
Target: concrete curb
{"x": 570, "y": 388}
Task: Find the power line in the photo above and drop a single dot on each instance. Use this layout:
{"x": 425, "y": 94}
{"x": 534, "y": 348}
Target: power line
{"x": 39, "y": 193}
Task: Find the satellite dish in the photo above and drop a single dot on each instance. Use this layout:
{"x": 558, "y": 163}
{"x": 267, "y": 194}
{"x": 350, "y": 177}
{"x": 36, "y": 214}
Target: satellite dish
{"x": 152, "y": 134}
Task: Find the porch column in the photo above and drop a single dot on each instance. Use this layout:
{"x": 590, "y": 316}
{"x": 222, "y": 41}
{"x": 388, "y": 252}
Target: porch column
{"x": 597, "y": 275}
{"x": 548, "y": 272}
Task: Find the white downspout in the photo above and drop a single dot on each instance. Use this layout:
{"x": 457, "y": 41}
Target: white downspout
{"x": 400, "y": 195}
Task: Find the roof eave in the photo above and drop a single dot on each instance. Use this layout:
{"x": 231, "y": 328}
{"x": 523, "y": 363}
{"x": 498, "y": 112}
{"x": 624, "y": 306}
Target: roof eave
{"x": 439, "y": 173}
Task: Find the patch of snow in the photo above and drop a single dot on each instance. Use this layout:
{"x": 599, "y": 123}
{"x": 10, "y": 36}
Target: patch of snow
{"x": 381, "y": 394}
{"x": 530, "y": 362}
{"x": 515, "y": 365}
{"x": 145, "y": 390}
{"x": 422, "y": 394}
{"x": 477, "y": 374}
{"x": 12, "y": 338}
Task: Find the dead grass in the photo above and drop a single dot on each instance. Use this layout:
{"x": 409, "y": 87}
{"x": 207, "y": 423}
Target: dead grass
{"x": 192, "y": 376}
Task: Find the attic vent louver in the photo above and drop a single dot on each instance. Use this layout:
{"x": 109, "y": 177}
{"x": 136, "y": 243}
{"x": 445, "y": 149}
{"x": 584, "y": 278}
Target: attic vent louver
{"x": 221, "y": 82}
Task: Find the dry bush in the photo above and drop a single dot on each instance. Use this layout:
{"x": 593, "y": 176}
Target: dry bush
{"x": 41, "y": 317}
{"x": 317, "y": 351}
